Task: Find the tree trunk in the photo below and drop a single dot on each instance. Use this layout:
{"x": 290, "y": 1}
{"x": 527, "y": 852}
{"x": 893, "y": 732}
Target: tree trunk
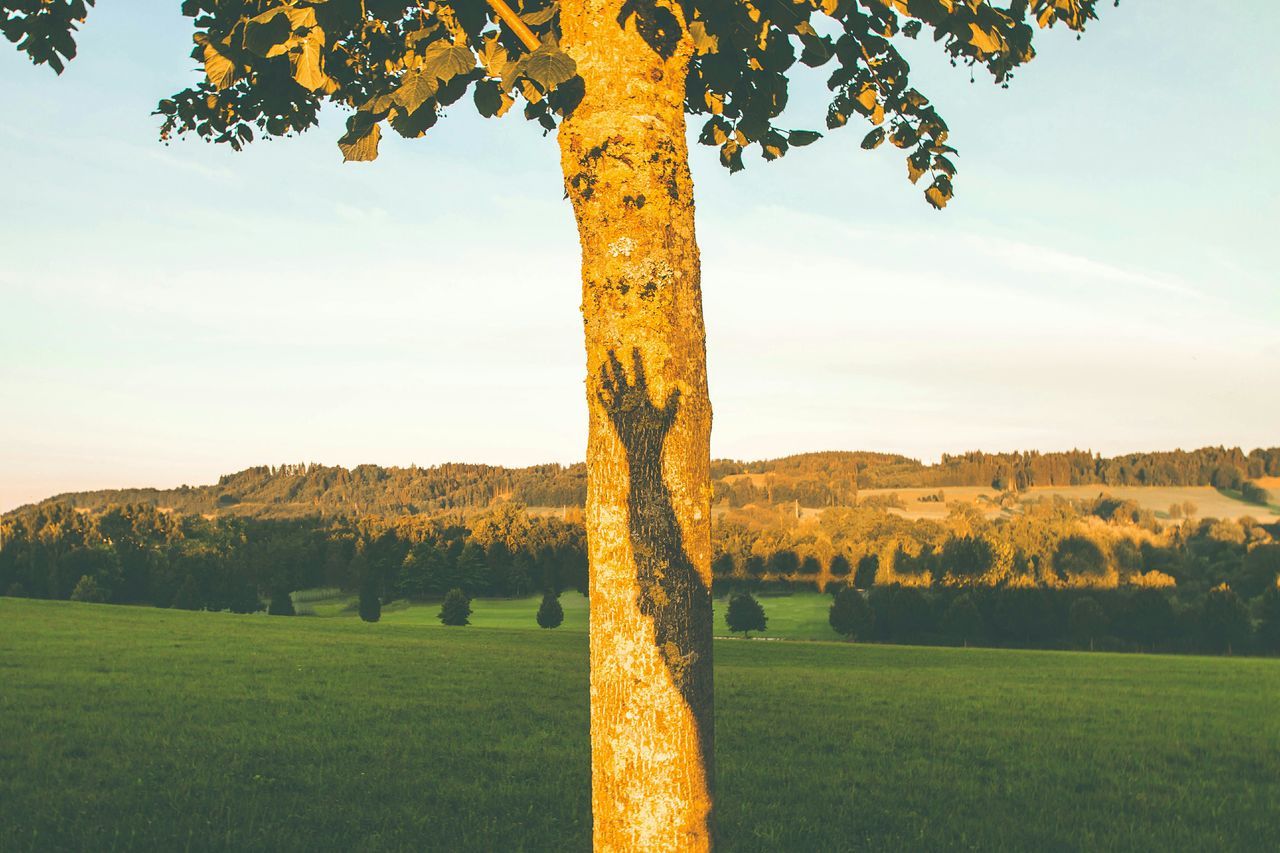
{"x": 648, "y": 515}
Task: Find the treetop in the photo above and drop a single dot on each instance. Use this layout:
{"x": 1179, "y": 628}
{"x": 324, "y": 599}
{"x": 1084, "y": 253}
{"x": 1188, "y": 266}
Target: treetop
{"x": 270, "y": 64}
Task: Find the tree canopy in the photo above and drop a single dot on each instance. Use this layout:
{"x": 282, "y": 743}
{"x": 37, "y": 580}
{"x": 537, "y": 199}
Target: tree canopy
{"x": 270, "y": 64}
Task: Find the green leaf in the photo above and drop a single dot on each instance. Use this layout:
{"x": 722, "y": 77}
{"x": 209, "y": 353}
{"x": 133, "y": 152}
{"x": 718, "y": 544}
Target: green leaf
{"x": 415, "y": 88}
{"x": 488, "y": 98}
{"x": 540, "y": 17}
{"x": 549, "y": 66}
{"x": 360, "y": 142}
{"x": 446, "y": 61}
{"x": 220, "y": 70}
{"x": 801, "y": 138}
{"x": 873, "y": 139}
{"x": 939, "y": 192}
{"x": 265, "y": 32}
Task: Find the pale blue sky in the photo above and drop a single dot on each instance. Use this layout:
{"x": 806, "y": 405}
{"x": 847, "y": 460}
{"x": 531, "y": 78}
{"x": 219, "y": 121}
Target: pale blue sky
{"x": 1105, "y": 277}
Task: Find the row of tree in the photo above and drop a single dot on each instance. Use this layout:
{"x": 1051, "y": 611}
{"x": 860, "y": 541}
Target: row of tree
{"x": 1099, "y": 543}
{"x": 137, "y": 555}
{"x": 1134, "y": 619}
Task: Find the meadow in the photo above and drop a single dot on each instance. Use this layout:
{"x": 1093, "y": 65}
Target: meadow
{"x": 130, "y": 728}
{"x": 795, "y": 616}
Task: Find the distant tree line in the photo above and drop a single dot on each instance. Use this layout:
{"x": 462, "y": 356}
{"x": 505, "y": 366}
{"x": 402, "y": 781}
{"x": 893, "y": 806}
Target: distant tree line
{"x": 834, "y": 478}
{"x": 1125, "y": 619}
{"x": 304, "y": 491}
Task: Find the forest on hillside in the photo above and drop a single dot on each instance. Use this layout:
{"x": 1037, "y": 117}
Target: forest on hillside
{"x": 1021, "y": 574}
{"x": 815, "y": 480}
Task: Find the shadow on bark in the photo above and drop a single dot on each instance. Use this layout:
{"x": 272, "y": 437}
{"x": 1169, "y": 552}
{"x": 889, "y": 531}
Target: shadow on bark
{"x": 672, "y": 594}
{"x": 657, "y": 25}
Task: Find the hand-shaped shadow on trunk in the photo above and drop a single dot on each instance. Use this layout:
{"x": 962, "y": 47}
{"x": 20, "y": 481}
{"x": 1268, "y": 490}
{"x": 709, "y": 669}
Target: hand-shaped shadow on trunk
{"x": 672, "y": 593}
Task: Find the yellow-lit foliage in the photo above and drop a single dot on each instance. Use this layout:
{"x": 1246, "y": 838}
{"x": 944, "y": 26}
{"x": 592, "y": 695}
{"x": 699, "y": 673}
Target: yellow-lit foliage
{"x": 1152, "y": 580}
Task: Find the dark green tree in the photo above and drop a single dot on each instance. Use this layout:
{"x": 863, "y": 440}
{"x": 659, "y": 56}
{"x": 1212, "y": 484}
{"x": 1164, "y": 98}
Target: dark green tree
{"x": 87, "y": 590}
{"x": 188, "y": 595}
{"x": 1269, "y": 621}
{"x": 550, "y": 613}
{"x": 865, "y": 576}
{"x": 1224, "y": 621}
{"x": 963, "y": 621}
{"x": 1147, "y": 618}
{"x": 281, "y": 603}
{"x": 851, "y": 616}
{"x": 1079, "y": 557}
{"x": 1087, "y": 621}
{"x": 745, "y": 614}
{"x": 723, "y": 566}
{"x": 473, "y": 570}
{"x": 1259, "y": 571}
{"x": 839, "y": 566}
{"x": 456, "y": 609}
{"x": 370, "y": 605}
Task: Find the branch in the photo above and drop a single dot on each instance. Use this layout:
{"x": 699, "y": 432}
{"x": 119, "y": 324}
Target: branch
{"x": 512, "y": 20}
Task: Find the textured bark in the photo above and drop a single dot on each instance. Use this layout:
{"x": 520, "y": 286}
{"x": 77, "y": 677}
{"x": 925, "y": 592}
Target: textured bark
{"x": 625, "y": 162}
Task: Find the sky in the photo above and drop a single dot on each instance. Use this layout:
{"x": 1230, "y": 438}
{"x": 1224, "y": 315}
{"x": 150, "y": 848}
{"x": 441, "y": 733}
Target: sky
{"x": 1105, "y": 277}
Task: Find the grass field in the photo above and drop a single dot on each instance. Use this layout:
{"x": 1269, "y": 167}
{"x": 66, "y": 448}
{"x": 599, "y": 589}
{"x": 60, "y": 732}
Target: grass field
{"x": 799, "y": 616}
{"x": 127, "y": 728}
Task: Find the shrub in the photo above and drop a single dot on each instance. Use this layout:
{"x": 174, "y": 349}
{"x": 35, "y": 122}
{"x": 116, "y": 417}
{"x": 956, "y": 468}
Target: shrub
{"x": 851, "y": 616}
{"x": 1254, "y": 494}
{"x": 87, "y": 589}
{"x": 456, "y": 609}
{"x": 745, "y": 614}
{"x": 550, "y": 613}
{"x": 839, "y": 566}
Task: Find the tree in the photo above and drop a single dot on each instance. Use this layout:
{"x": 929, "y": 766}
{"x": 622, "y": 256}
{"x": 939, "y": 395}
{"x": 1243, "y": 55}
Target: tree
{"x": 1147, "y": 618}
{"x": 615, "y": 79}
{"x": 1079, "y": 558}
{"x": 962, "y": 619}
{"x": 851, "y": 616}
{"x": 1087, "y": 620}
{"x": 1254, "y": 494}
{"x": 456, "y": 609}
{"x": 1224, "y": 621}
{"x": 281, "y": 603}
{"x": 370, "y": 605}
{"x": 839, "y": 566}
{"x": 1260, "y": 570}
{"x": 188, "y": 596}
{"x": 550, "y": 613}
{"x": 87, "y": 589}
{"x": 1269, "y": 621}
{"x": 745, "y": 614}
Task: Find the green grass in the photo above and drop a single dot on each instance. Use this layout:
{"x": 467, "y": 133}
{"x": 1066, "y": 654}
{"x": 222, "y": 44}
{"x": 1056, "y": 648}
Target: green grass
{"x": 800, "y": 616}
{"x": 132, "y": 728}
